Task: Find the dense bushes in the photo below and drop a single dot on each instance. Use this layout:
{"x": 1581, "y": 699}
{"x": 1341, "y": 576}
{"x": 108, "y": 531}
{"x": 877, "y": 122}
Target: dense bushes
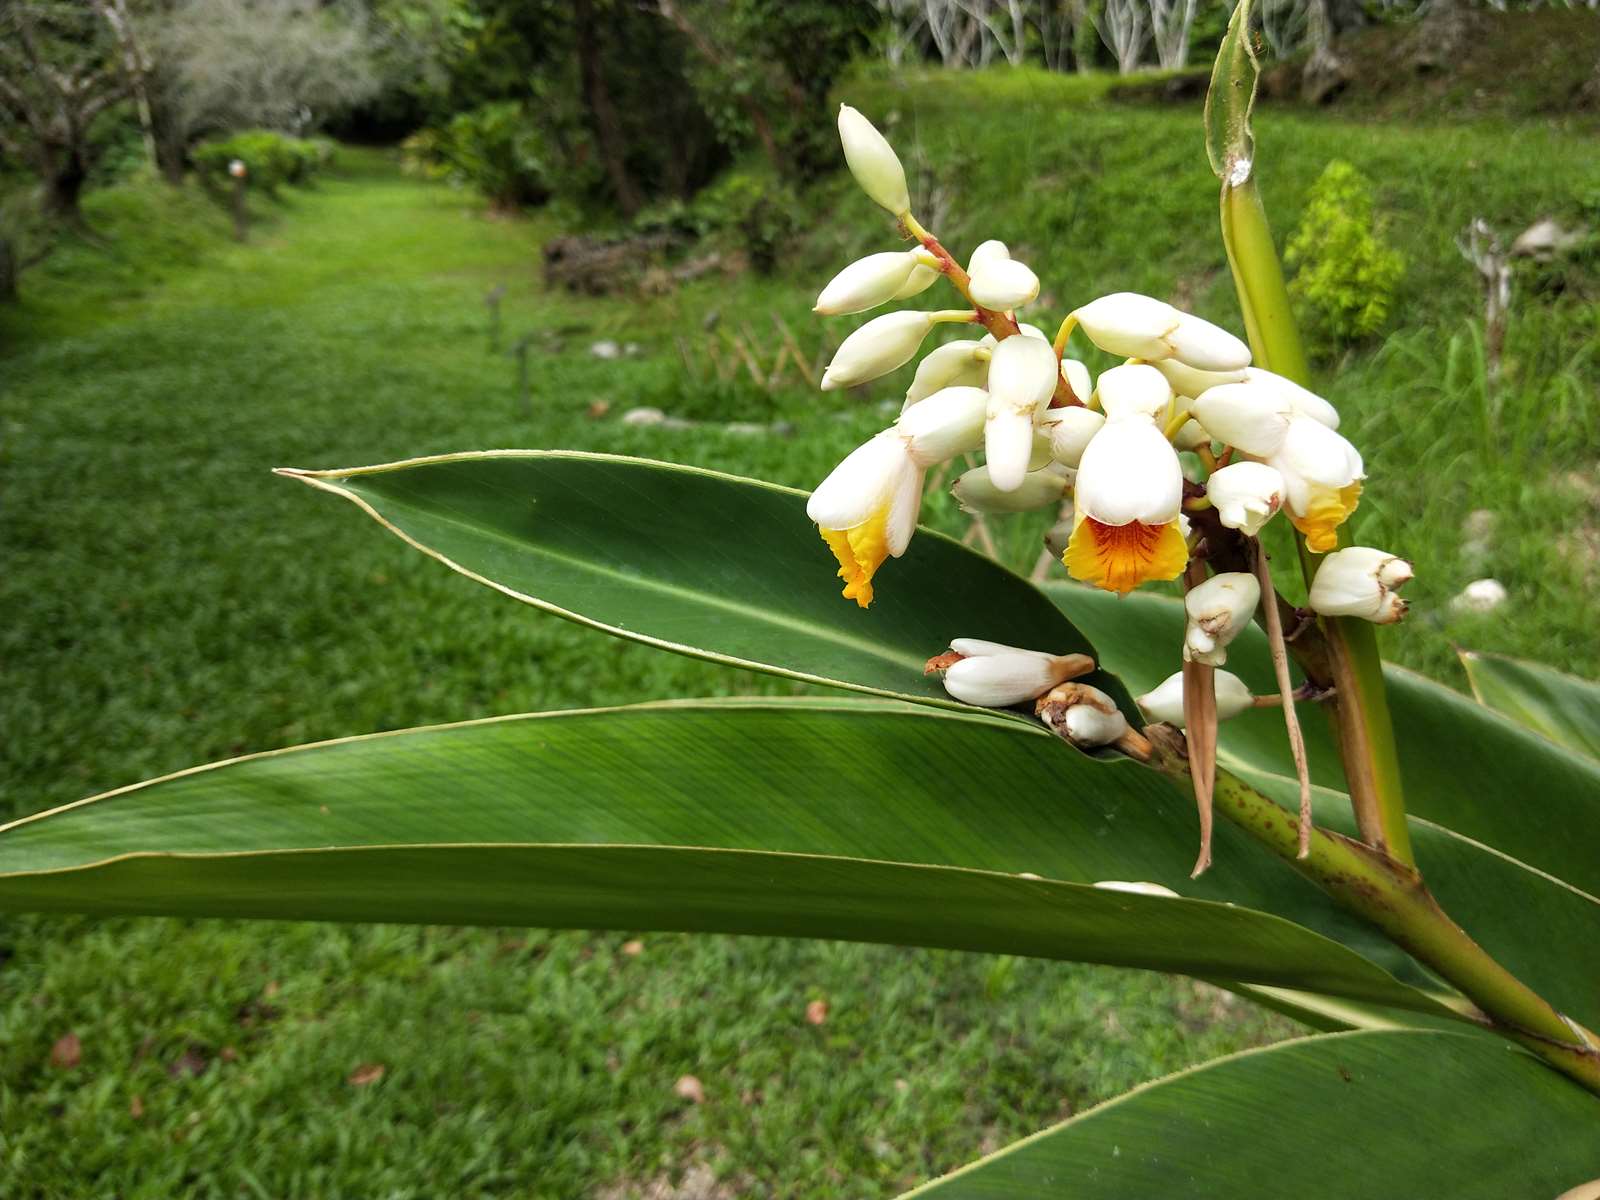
{"x": 496, "y": 149}
{"x": 273, "y": 159}
{"x": 1347, "y": 275}
{"x": 610, "y": 106}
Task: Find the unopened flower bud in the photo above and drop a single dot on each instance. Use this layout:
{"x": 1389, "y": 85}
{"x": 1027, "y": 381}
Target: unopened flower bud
{"x": 1133, "y": 389}
{"x": 877, "y": 348}
{"x": 1078, "y": 379}
{"x": 954, "y": 364}
{"x": 1059, "y": 536}
{"x": 867, "y": 283}
{"x": 1360, "y": 582}
{"x": 922, "y": 277}
{"x": 1022, "y": 378}
{"x": 1003, "y": 284}
{"x": 1218, "y": 611}
{"x": 1135, "y": 888}
{"x": 1070, "y": 431}
{"x": 1083, "y": 715}
{"x": 947, "y": 423}
{"x": 996, "y": 676}
{"x": 1136, "y": 326}
{"x": 1254, "y": 419}
{"x": 873, "y": 161}
{"x": 991, "y": 251}
{"x": 1191, "y": 435}
{"x": 1041, "y": 457}
{"x": 1245, "y": 494}
{"x": 1190, "y": 382}
{"x": 1165, "y": 701}
{"x": 976, "y": 492}
{"x": 1304, "y": 401}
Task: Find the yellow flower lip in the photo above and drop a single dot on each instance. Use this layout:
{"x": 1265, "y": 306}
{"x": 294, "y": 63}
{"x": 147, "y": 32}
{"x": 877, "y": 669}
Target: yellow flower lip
{"x": 860, "y": 551}
{"x": 1329, "y": 508}
{"x": 1119, "y": 558}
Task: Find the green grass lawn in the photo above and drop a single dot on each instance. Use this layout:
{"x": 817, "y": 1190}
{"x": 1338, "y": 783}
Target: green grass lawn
{"x": 168, "y": 601}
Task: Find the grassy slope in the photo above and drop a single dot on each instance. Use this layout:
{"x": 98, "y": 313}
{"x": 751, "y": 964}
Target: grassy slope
{"x": 1518, "y": 65}
{"x": 168, "y": 601}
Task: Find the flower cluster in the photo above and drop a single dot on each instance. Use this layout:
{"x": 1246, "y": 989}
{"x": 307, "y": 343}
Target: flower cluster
{"x": 1105, "y": 450}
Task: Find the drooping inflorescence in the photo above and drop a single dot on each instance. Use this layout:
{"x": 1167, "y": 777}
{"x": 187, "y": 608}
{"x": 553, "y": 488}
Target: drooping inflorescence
{"x": 1105, "y": 451}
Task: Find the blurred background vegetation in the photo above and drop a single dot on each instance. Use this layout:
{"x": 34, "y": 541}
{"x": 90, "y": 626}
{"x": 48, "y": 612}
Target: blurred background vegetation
{"x": 601, "y": 225}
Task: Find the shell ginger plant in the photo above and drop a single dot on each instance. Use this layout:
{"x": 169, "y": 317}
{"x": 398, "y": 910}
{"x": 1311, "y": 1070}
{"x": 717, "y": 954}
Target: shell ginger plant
{"x": 992, "y": 785}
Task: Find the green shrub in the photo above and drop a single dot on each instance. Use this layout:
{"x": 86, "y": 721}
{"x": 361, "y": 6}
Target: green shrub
{"x": 759, "y": 211}
{"x": 274, "y": 159}
{"x": 497, "y": 149}
{"x": 1347, "y": 275}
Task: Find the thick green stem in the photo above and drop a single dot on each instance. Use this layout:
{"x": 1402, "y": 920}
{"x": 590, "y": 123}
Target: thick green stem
{"x": 1361, "y": 710}
{"x": 1394, "y": 898}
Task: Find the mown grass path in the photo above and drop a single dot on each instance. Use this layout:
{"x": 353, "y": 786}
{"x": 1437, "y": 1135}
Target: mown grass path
{"x": 167, "y": 601}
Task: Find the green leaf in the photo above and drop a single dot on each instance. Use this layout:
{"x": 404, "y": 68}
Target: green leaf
{"x": 1231, "y": 99}
{"x": 1330, "y": 1014}
{"x": 1383, "y": 1114}
{"x": 1552, "y": 703}
{"x": 1526, "y": 889}
{"x": 701, "y": 563}
{"x": 866, "y": 820}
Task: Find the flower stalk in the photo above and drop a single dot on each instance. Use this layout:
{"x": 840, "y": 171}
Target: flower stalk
{"x": 1361, "y": 707}
{"x": 1291, "y": 719}
{"x": 1393, "y": 897}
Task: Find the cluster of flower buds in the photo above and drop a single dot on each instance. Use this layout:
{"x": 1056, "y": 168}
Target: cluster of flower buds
{"x": 994, "y": 675}
{"x": 1105, "y": 451}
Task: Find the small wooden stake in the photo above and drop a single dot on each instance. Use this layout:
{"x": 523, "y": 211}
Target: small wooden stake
{"x": 491, "y": 301}
{"x": 519, "y": 351}
{"x": 241, "y": 215}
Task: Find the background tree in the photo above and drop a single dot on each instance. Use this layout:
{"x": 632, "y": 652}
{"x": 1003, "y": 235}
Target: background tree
{"x": 1124, "y": 27}
{"x": 136, "y": 69}
{"x": 764, "y": 70}
{"x": 1170, "y": 23}
{"x": 58, "y": 74}
{"x": 287, "y": 65}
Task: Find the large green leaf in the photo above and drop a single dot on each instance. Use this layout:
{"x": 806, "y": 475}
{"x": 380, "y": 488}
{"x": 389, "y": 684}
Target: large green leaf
{"x": 1522, "y": 887}
{"x": 701, "y": 563}
{"x": 867, "y": 820}
{"x": 1379, "y": 1115}
{"x": 1562, "y": 707}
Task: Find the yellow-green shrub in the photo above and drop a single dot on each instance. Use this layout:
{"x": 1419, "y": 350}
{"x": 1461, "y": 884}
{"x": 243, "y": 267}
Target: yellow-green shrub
{"x": 1347, "y": 275}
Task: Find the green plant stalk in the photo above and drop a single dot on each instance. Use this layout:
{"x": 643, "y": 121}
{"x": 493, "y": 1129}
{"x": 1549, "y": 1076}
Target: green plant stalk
{"x": 1361, "y": 708}
{"x": 1394, "y": 898}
